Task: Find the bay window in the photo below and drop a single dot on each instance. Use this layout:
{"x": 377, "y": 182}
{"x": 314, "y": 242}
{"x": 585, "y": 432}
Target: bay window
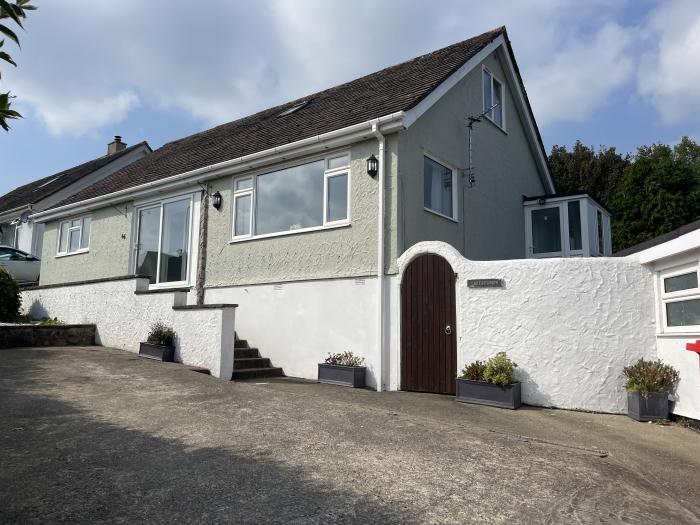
{"x": 299, "y": 198}
{"x": 74, "y": 235}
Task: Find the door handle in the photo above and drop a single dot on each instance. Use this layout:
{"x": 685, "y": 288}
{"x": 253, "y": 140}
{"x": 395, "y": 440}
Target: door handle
{"x": 448, "y": 330}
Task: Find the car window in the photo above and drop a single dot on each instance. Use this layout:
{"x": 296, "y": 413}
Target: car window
{"x": 5, "y": 254}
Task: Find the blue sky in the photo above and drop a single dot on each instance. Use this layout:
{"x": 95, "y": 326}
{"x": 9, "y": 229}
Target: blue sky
{"x": 620, "y": 73}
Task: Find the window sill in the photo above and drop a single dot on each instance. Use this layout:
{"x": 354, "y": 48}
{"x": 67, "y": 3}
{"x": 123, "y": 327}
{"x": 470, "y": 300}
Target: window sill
{"x": 694, "y": 335}
{"x": 334, "y": 226}
{"x": 69, "y": 254}
{"x": 503, "y": 130}
{"x": 441, "y": 215}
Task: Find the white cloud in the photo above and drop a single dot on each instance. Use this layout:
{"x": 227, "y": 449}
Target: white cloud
{"x": 669, "y": 74}
{"x": 85, "y": 64}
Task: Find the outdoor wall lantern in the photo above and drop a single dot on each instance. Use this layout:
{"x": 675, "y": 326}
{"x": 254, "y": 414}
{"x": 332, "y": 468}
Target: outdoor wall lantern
{"x": 372, "y": 166}
{"x": 217, "y": 200}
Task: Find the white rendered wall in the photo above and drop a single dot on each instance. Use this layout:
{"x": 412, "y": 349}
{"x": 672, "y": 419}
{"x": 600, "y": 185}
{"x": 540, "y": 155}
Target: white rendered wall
{"x": 572, "y": 325}
{"x": 296, "y": 324}
{"x": 671, "y": 350}
{"x": 123, "y": 319}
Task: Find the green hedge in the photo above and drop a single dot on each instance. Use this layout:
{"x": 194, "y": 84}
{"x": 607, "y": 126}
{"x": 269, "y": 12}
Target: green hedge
{"x": 10, "y": 298}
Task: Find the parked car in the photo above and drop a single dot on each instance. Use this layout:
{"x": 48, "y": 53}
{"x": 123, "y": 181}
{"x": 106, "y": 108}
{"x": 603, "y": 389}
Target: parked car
{"x": 21, "y": 265}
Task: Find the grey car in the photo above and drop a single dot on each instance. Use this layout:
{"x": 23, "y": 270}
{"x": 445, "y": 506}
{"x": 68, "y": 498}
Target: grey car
{"x": 23, "y": 266}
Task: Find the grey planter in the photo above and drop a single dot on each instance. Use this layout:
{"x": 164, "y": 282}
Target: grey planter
{"x": 353, "y": 376}
{"x": 650, "y": 408}
{"x": 484, "y": 393}
{"x": 157, "y": 352}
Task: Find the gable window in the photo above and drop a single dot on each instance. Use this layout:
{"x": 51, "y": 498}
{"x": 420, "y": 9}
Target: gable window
{"x": 680, "y": 299}
{"x": 163, "y": 240}
{"x": 439, "y": 184}
{"x": 300, "y": 198}
{"x": 493, "y": 98}
{"x": 74, "y": 235}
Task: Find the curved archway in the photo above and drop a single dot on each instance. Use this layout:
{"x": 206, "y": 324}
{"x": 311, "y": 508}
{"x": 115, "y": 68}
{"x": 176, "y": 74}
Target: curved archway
{"x": 428, "y": 331}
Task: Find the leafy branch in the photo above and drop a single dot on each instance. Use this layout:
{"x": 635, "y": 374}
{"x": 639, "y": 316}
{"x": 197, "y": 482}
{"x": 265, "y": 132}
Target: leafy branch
{"x": 15, "y": 12}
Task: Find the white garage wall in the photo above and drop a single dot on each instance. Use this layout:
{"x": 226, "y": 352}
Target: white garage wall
{"x": 572, "y": 325}
{"x": 123, "y": 319}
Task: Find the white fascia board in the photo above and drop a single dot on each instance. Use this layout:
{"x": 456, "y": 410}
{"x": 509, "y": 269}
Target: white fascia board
{"x": 499, "y": 42}
{"x": 325, "y": 141}
{"x": 679, "y": 245}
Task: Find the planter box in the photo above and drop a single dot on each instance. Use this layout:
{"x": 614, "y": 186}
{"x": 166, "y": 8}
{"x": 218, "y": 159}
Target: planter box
{"x": 353, "y": 376}
{"x": 483, "y": 393}
{"x": 650, "y": 408}
{"x": 157, "y": 352}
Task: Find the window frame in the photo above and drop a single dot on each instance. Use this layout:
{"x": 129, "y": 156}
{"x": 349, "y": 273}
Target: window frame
{"x": 455, "y": 196}
{"x": 566, "y": 250}
{"x": 190, "y": 238}
{"x": 328, "y": 173}
{"x": 677, "y": 296}
{"x": 71, "y": 228}
{"x": 488, "y": 115}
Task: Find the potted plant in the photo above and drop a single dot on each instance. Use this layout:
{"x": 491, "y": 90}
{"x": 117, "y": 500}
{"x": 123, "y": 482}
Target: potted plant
{"x": 491, "y": 383}
{"x": 344, "y": 369}
{"x": 648, "y": 386}
{"x": 160, "y": 343}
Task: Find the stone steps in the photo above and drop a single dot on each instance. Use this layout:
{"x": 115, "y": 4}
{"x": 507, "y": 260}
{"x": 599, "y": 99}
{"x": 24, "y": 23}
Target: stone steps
{"x": 249, "y": 364}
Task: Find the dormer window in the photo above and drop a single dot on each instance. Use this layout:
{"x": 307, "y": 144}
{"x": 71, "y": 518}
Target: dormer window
{"x": 493, "y": 99}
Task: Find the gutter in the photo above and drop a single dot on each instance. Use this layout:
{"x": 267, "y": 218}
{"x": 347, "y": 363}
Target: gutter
{"x": 380, "y": 255}
{"x": 331, "y": 139}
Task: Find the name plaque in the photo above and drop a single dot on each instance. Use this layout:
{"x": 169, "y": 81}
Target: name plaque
{"x": 485, "y": 283}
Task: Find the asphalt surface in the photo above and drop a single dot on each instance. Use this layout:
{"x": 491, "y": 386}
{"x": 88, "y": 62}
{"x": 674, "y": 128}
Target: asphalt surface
{"x": 95, "y": 435}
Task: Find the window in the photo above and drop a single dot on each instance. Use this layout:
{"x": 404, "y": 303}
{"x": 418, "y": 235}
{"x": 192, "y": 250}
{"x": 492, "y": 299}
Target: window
{"x": 438, "y": 188}
{"x": 74, "y": 235}
{"x": 601, "y": 238}
{"x": 163, "y": 240}
{"x": 680, "y": 297}
{"x": 493, "y": 98}
{"x": 299, "y": 198}
{"x": 574, "y": 210}
{"x": 8, "y": 234}
{"x": 546, "y": 231}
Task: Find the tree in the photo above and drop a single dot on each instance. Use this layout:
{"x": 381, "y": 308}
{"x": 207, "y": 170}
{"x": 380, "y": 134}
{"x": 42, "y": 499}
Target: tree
{"x": 15, "y": 12}
{"x": 585, "y": 170}
{"x": 659, "y": 192}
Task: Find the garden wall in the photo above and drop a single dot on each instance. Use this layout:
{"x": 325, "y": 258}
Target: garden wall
{"x": 572, "y": 325}
{"x": 123, "y": 312}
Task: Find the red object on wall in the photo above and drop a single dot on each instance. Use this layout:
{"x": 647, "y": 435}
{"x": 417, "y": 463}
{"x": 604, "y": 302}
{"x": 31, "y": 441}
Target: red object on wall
{"x": 693, "y": 347}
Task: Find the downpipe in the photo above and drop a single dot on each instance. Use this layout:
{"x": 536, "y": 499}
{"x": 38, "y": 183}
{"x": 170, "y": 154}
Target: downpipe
{"x": 380, "y": 255}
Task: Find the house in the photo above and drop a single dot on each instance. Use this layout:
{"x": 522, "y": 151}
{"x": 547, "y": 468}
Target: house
{"x": 19, "y": 231}
{"x": 296, "y": 216}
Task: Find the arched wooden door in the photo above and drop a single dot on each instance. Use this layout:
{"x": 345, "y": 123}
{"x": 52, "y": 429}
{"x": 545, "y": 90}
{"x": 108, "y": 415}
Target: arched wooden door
{"x": 428, "y": 335}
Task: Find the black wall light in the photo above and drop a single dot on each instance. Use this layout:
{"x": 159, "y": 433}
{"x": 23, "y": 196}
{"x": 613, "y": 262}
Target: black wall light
{"x": 217, "y": 200}
{"x": 372, "y": 166}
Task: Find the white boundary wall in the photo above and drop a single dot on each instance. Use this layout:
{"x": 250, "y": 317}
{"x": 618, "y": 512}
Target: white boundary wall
{"x": 123, "y": 319}
{"x": 572, "y": 325}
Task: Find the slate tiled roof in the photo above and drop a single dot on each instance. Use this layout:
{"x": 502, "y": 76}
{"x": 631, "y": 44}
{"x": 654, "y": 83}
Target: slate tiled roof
{"x": 397, "y": 88}
{"x": 665, "y": 237}
{"x": 40, "y": 189}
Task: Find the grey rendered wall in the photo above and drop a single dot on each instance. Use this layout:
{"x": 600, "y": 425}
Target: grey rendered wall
{"x": 340, "y": 252}
{"x": 108, "y": 255}
{"x": 505, "y": 169}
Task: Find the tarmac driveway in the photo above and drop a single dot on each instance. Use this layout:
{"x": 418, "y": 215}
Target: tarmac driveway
{"x": 99, "y": 435}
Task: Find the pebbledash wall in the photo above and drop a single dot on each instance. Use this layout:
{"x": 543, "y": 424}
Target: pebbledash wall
{"x": 572, "y": 325}
{"x": 123, "y": 311}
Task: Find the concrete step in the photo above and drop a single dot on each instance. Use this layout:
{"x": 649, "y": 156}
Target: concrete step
{"x": 241, "y": 343}
{"x": 251, "y": 362}
{"x": 257, "y": 373}
{"x": 245, "y": 353}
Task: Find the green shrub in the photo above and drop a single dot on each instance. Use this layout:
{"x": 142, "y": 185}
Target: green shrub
{"x": 344, "y": 359}
{"x": 161, "y": 334}
{"x": 500, "y": 369}
{"x": 10, "y": 298}
{"x": 647, "y": 377}
{"x": 474, "y": 371}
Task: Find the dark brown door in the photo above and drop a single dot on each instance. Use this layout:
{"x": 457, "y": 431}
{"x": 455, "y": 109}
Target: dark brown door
{"x": 428, "y": 335}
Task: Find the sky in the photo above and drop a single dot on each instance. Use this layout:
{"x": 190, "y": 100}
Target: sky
{"x": 608, "y": 72}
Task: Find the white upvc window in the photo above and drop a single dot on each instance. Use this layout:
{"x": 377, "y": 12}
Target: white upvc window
{"x": 306, "y": 197}
{"x": 494, "y": 98}
{"x": 680, "y": 299}
{"x": 439, "y": 188}
{"x": 74, "y": 235}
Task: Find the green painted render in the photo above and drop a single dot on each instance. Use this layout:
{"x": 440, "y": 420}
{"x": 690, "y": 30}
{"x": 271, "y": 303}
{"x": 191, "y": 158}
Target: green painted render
{"x": 505, "y": 169}
{"x": 108, "y": 255}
